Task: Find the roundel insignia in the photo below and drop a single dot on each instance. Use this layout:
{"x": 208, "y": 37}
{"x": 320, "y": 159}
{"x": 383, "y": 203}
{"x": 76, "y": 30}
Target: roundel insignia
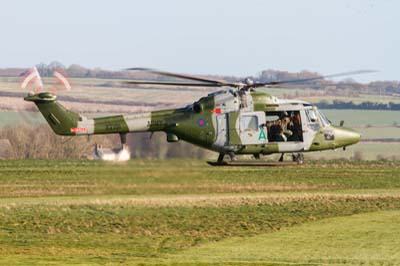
{"x": 201, "y": 122}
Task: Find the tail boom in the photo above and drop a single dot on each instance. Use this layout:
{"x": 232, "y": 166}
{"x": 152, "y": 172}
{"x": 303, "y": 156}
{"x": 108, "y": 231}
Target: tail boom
{"x": 67, "y": 123}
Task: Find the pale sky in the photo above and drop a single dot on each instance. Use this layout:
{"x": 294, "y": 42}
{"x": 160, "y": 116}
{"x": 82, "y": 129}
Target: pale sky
{"x": 205, "y": 37}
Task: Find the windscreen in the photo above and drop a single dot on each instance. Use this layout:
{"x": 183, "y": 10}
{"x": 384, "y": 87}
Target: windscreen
{"x": 324, "y": 121}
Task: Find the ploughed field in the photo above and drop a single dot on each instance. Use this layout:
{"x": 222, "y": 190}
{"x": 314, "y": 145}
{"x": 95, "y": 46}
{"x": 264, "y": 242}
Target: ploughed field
{"x": 184, "y": 212}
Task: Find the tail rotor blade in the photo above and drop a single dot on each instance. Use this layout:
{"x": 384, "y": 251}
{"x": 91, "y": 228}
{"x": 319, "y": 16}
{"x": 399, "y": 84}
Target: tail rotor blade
{"x": 32, "y": 80}
{"x": 62, "y": 79}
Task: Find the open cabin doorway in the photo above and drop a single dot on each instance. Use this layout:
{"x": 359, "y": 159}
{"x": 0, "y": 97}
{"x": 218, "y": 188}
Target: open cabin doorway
{"x": 284, "y": 126}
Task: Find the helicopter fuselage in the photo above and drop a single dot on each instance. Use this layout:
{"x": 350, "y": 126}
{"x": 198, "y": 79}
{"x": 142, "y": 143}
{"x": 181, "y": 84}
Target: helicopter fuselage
{"x": 252, "y": 123}
{"x": 227, "y": 121}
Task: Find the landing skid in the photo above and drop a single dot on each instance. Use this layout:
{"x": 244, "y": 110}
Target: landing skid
{"x": 297, "y": 159}
{"x": 252, "y": 163}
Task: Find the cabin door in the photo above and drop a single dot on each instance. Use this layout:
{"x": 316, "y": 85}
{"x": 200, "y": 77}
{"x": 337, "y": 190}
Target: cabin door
{"x": 222, "y": 130}
{"x": 252, "y": 128}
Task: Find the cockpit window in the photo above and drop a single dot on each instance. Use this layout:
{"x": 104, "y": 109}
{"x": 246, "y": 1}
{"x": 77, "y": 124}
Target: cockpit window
{"x": 311, "y": 116}
{"x": 324, "y": 121}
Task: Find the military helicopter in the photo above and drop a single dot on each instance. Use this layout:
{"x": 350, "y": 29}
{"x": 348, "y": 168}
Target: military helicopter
{"x": 233, "y": 121}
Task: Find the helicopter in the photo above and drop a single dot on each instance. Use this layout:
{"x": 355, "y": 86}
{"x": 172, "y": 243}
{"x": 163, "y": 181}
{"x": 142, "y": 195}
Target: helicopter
{"x": 237, "y": 120}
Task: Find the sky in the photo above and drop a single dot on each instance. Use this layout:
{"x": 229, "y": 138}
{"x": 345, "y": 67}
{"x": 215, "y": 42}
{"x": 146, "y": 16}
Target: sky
{"x": 224, "y": 37}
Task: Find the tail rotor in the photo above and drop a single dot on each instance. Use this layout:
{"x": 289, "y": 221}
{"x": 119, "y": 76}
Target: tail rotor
{"x": 32, "y": 83}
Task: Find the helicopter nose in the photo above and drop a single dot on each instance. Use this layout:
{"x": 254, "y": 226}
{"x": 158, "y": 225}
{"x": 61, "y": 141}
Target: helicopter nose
{"x": 346, "y": 137}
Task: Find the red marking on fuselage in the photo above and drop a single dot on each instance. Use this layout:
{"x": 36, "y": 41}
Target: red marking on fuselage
{"x": 79, "y": 130}
{"x": 216, "y": 110}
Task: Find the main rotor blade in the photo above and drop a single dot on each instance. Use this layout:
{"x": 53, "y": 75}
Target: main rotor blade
{"x": 357, "y": 72}
{"x": 217, "y": 82}
{"x": 166, "y": 83}
{"x": 292, "y": 85}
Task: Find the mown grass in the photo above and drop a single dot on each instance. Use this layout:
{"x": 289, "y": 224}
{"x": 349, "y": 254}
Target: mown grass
{"x": 141, "y": 177}
{"x": 135, "y": 234}
{"x": 363, "y": 239}
{"x": 160, "y": 212}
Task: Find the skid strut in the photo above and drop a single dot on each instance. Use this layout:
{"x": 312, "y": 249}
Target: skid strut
{"x": 122, "y": 137}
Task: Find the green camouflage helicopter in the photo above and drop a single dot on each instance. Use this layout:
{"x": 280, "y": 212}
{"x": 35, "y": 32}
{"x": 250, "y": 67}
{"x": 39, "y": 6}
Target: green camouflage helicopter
{"x": 234, "y": 121}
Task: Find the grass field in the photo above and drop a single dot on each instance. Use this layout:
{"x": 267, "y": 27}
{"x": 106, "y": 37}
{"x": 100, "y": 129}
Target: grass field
{"x": 184, "y": 212}
{"x": 363, "y": 239}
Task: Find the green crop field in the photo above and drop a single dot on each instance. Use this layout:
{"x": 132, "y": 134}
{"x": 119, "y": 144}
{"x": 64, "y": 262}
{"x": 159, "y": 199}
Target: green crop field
{"x": 9, "y": 118}
{"x": 184, "y": 212}
{"x": 364, "y": 117}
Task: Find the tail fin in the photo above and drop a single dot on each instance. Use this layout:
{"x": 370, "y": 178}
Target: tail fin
{"x": 61, "y": 120}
